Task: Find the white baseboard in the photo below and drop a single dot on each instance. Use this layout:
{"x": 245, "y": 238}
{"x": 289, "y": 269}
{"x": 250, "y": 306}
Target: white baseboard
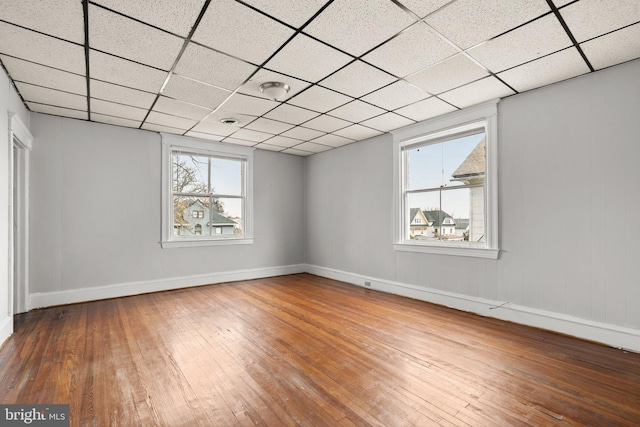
{"x": 6, "y": 329}
{"x": 48, "y": 299}
{"x": 612, "y": 335}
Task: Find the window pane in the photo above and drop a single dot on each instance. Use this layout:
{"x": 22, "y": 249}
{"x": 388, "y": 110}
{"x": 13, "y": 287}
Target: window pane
{"x": 187, "y": 217}
{"x": 456, "y": 205}
{"x": 448, "y": 163}
{"x": 464, "y": 160}
{"x": 467, "y": 207}
{"x": 424, "y": 167}
{"x": 226, "y": 217}
{"x": 226, "y": 176}
{"x": 190, "y": 173}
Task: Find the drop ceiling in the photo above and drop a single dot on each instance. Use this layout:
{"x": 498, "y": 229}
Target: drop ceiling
{"x": 356, "y": 68}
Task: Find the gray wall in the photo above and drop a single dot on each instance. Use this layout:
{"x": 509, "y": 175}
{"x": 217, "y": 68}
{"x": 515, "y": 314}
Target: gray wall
{"x": 95, "y": 210}
{"x": 569, "y": 206}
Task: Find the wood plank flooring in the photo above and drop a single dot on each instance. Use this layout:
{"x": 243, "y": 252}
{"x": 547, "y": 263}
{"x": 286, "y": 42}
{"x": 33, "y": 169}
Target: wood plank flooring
{"x": 304, "y": 350}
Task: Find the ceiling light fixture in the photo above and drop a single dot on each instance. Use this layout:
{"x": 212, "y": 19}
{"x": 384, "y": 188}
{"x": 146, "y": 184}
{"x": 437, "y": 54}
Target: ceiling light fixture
{"x": 229, "y": 122}
{"x": 274, "y": 90}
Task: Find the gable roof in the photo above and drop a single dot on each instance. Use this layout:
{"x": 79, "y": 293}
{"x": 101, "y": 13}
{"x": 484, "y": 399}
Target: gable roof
{"x": 474, "y": 165}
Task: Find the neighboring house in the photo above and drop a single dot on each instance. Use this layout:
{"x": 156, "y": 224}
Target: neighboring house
{"x": 432, "y": 224}
{"x": 462, "y": 227}
{"x": 196, "y": 219}
{"x": 473, "y": 171}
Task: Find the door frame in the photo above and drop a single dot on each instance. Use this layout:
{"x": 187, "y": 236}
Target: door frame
{"x": 22, "y": 140}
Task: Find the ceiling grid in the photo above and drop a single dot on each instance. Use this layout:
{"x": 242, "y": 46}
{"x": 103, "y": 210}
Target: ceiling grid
{"x": 355, "y": 68}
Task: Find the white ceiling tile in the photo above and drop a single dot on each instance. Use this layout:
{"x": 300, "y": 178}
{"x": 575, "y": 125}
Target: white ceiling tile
{"x": 29, "y": 72}
{"x": 195, "y": 92}
{"x": 469, "y": 22}
{"x": 356, "y": 111}
{"x": 180, "y": 109}
{"x": 312, "y": 147}
{"x": 118, "y": 110}
{"x": 42, "y": 49}
{"x": 357, "y": 79}
{"x": 413, "y": 50}
{"x": 57, "y": 111}
{"x": 613, "y": 48}
{"x": 320, "y": 99}
{"x": 297, "y": 152}
{"x": 268, "y": 147}
{"x": 252, "y": 87}
{"x": 269, "y": 126}
{"x": 294, "y": 13}
{"x": 333, "y": 140}
{"x": 59, "y": 18}
{"x": 590, "y": 18}
{"x": 282, "y": 142}
{"x": 356, "y": 26}
{"x": 204, "y": 136}
{"x": 307, "y": 59}
{"x": 132, "y": 40}
{"x": 396, "y": 95}
{"x": 118, "y": 121}
{"x": 426, "y": 109}
{"x": 538, "y": 38}
{"x": 448, "y": 74}
{"x": 302, "y": 133}
{"x": 477, "y": 92}
{"x": 212, "y": 67}
{"x": 53, "y": 97}
{"x": 160, "y": 128}
{"x": 220, "y": 115}
{"x": 357, "y": 132}
{"x": 238, "y": 141}
{"x": 249, "y": 105}
{"x": 224, "y": 28}
{"x": 550, "y": 69}
{"x": 168, "y": 120}
{"x": 121, "y": 94}
{"x": 291, "y": 114}
{"x": 251, "y": 135}
{"x": 176, "y": 16}
{"x": 120, "y": 71}
{"x": 217, "y": 129}
{"x": 423, "y": 8}
{"x": 388, "y": 122}
{"x": 327, "y": 123}
{"x": 560, "y": 3}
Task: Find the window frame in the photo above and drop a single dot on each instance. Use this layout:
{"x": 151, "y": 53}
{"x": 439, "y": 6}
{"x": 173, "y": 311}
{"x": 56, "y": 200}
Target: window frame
{"x": 171, "y": 143}
{"x": 436, "y": 129}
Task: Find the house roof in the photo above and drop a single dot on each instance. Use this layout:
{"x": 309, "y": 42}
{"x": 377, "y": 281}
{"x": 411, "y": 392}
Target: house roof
{"x": 474, "y": 165}
{"x": 435, "y": 217}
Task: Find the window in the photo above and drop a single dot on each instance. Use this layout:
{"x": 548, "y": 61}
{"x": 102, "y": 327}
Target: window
{"x": 207, "y": 189}
{"x": 445, "y": 173}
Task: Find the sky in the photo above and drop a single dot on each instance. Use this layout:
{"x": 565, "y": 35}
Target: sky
{"x": 432, "y": 166}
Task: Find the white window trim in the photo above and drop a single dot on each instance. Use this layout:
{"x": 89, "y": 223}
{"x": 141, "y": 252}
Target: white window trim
{"x": 488, "y": 112}
{"x": 171, "y": 142}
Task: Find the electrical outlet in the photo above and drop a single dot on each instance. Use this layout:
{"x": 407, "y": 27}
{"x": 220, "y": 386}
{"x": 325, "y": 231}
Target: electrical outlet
{"x": 367, "y": 284}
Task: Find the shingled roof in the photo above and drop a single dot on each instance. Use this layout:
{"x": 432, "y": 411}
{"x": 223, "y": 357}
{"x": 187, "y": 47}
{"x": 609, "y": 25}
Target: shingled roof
{"x": 474, "y": 165}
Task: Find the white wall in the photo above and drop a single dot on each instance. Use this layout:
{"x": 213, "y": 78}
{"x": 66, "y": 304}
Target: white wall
{"x": 95, "y": 216}
{"x": 569, "y": 177}
{"x": 9, "y": 102}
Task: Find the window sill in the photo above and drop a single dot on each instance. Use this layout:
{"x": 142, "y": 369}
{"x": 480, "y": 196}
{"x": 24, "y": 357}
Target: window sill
{"x": 204, "y": 242}
{"x": 466, "y": 251}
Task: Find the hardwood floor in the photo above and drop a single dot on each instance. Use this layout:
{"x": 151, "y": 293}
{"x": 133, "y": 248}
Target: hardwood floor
{"x": 304, "y": 350}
